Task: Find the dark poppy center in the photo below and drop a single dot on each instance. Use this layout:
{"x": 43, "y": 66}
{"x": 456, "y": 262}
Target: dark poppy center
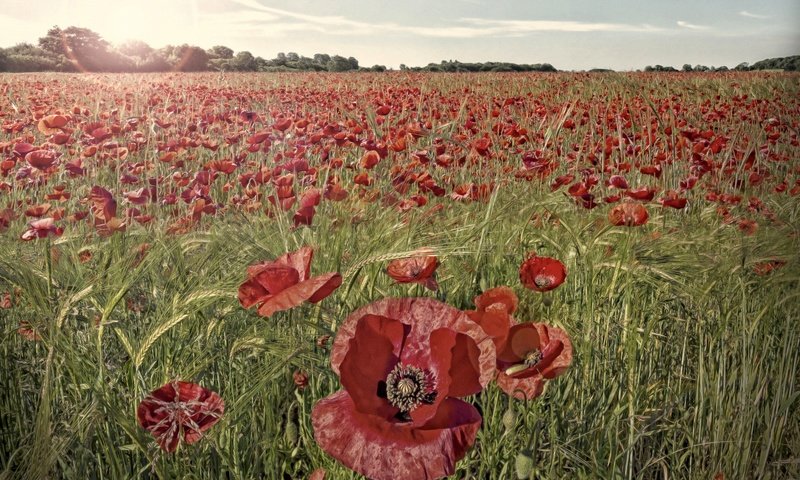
{"x": 542, "y": 281}
{"x": 408, "y": 387}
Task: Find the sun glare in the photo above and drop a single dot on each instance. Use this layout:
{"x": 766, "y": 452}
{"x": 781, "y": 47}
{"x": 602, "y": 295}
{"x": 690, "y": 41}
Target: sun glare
{"x": 155, "y": 22}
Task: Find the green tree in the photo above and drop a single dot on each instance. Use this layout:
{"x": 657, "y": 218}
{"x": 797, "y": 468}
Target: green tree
{"x": 83, "y": 50}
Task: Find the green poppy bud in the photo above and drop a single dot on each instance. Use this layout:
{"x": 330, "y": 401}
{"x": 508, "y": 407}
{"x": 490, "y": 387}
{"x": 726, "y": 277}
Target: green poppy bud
{"x": 510, "y": 418}
{"x": 524, "y": 464}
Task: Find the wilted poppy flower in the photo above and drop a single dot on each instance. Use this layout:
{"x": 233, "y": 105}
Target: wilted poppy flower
{"x": 179, "y": 410}
{"x": 416, "y": 269}
{"x": 42, "y": 228}
{"x": 628, "y": 214}
{"x": 285, "y": 283}
{"x": 402, "y": 363}
{"x": 542, "y": 274}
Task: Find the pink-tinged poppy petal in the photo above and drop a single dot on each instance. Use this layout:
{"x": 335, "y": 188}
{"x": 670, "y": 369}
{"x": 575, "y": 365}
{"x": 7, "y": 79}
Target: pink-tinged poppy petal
{"x": 390, "y": 451}
{"x": 493, "y": 314}
{"x": 317, "y": 474}
{"x": 521, "y": 389}
{"x": 300, "y": 260}
{"x": 423, "y": 315}
{"x": 372, "y": 354}
{"x": 503, "y": 295}
{"x": 313, "y": 290}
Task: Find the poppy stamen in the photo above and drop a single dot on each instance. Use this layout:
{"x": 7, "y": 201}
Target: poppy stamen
{"x": 542, "y": 281}
{"x": 408, "y": 387}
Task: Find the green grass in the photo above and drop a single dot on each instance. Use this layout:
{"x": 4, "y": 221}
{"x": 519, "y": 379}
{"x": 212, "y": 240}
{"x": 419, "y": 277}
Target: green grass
{"x": 686, "y": 363}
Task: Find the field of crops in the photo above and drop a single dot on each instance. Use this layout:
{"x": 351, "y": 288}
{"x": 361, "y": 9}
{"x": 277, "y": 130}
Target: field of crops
{"x": 297, "y": 276}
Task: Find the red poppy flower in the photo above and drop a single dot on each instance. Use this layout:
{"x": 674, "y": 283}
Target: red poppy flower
{"x": 417, "y": 269}
{"x": 28, "y": 332}
{"x": 527, "y": 353}
{"x": 285, "y": 283}
{"x": 42, "y": 159}
{"x": 402, "y": 363}
{"x": 765, "y": 268}
{"x": 179, "y": 410}
{"x": 542, "y": 274}
{"x": 42, "y": 228}
{"x": 629, "y": 214}
{"x": 533, "y": 352}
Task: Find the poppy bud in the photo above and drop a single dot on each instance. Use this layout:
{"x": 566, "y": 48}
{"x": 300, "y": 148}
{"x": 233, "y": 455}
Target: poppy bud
{"x": 524, "y": 464}
{"x": 510, "y": 418}
{"x": 300, "y": 379}
{"x": 547, "y": 301}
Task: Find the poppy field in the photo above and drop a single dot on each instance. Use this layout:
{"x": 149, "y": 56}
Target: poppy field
{"x": 400, "y": 276}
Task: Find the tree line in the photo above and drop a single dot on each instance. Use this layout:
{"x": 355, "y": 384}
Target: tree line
{"x": 76, "y": 49}
{"x": 787, "y": 64}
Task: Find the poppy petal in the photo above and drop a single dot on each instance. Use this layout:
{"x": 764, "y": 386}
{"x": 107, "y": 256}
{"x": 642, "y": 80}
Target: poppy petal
{"x": 388, "y": 451}
{"x": 300, "y": 260}
{"x": 314, "y": 289}
{"x": 522, "y": 339}
{"x": 251, "y": 292}
{"x": 275, "y": 277}
{"x": 372, "y": 354}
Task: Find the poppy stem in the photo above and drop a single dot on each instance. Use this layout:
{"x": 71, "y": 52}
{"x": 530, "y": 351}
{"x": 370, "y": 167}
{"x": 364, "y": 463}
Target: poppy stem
{"x": 48, "y": 256}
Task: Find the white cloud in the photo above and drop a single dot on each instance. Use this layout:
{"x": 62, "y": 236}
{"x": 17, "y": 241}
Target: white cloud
{"x": 692, "y": 26}
{"x": 745, "y": 13}
{"x": 462, "y": 28}
{"x": 521, "y": 26}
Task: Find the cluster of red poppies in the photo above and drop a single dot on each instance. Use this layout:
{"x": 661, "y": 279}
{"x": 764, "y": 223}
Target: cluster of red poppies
{"x": 405, "y": 364}
{"x": 355, "y": 141}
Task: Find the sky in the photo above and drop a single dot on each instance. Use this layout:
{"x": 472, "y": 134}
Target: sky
{"x": 569, "y": 34}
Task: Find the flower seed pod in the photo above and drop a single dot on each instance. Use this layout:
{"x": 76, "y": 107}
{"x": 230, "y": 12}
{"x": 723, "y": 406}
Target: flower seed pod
{"x": 510, "y": 418}
{"x": 524, "y": 464}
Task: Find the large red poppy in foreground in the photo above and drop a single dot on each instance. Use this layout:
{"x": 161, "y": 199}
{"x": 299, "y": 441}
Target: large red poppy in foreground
{"x": 403, "y": 363}
{"x": 527, "y": 353}
{"x": 179, "y": 410}
{"x": 285, "y": 283}
{"x": 542, "y": 274}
